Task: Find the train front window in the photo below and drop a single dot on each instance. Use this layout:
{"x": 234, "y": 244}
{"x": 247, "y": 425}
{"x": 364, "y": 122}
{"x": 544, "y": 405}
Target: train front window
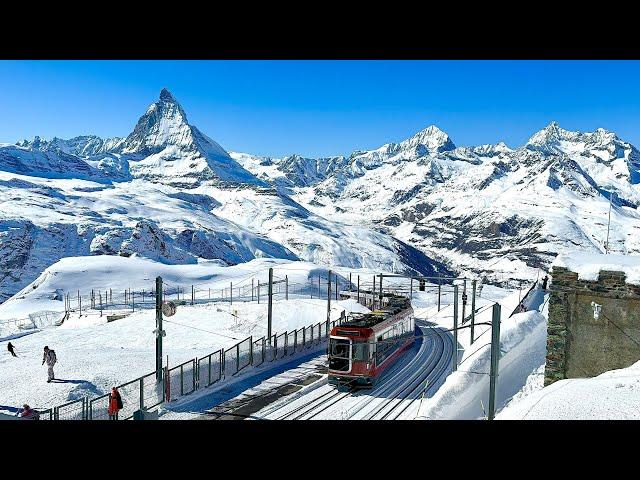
{"x": 338, "y": 354}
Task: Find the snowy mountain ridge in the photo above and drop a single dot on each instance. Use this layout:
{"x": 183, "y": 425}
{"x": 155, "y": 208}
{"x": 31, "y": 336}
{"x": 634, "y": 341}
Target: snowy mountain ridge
{"x": 169, "y": 193}
{"x": 488, "y": 210}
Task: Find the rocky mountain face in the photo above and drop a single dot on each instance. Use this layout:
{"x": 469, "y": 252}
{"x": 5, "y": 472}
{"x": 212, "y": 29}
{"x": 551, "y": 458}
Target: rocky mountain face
{"x": 170, "y": 193}
{"x": 488, "y": 210}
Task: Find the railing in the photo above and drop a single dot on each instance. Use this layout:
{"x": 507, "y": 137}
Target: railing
{"x": 74, "y": 410}
{"x": 147, "y": 392}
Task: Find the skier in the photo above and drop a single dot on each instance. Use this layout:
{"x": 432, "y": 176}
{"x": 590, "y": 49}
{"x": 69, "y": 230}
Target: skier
{"x": 115, "y": 404}
{"x": 10, "y": 348}
{"x": 544, "y": 282}
{"x": 49, "y": 357}
{"x": 29, "y": 413}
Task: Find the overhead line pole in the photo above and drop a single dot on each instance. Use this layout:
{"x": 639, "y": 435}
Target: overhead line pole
{"x": 495, "y": 358}
{"x": 328, "y": 300}
{"x": 270, "y": 307}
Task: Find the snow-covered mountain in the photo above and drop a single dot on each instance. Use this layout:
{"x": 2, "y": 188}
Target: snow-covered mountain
{"x": 490, "y": 210}
{"x": 170, "y": 193}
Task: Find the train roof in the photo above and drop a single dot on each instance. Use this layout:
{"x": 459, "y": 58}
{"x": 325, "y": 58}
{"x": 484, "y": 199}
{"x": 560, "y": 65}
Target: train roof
{"x": 394, "y": 305}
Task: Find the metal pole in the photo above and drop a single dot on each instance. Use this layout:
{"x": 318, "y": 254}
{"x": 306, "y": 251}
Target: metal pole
{"x": 193, "y": 295}
{"x": 606, "y": 245}
{"x": 455, "y": 328}
{"x": 380, "y": 293}
{"x": 231, "y": 294}
{"x": 133, "y": 301}
{"x": 373, "y": 299}
{"x": 495, "y": 358}
{"x": 252, "y": 289}
{"x": 319, "y": 286}
{"x": 439, "y": 291}
{"x": 336, "y": 286}
{"x": 358, "y": 288}
{"x": 473, "y": 308}
{"x": 464, "y": 299}
{"x": 100, "y": 295}
{"x": 270, "y": 307}
{"x": 159, "y": 332}
{"x": 350, "y": 283}
{"x": 258, "y": 290}
{"x": 328, "y": 299}
{"x": 411, "y": 289}
{"x": 286, "y": 289}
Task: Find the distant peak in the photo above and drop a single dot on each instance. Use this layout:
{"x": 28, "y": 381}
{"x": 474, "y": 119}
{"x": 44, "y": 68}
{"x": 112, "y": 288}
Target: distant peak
{"x": 432, "y": 138}
{"x": 166, "y": 96}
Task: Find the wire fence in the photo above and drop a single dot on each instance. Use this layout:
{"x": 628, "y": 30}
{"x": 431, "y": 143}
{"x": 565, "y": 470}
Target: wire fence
{"x": 148, "y": 392}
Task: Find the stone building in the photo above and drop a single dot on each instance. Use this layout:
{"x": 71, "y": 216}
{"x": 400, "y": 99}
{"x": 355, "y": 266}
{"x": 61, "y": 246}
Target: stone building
{"x": 579, "y": 345}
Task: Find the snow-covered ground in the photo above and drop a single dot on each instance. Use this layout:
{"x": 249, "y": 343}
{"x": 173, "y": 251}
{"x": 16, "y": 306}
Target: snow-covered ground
{"x": 94, "y": 355}
{"x": 613, "y": 395}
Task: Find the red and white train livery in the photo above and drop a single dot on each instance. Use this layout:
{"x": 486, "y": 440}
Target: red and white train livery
{"x": 364, "y": 345}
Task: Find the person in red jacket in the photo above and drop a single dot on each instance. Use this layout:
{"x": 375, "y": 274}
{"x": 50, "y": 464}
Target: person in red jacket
{"x": 115, "y": 404}
{"x": 29, "y": 413}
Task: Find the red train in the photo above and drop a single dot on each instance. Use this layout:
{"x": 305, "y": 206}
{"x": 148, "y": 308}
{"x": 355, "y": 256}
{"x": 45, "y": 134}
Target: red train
{"x": 363, "y": 346}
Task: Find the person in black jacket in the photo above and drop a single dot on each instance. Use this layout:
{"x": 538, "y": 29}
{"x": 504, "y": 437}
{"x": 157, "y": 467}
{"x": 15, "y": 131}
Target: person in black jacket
{"x": 544, "y": 282}
{"x": 10, "y": 348}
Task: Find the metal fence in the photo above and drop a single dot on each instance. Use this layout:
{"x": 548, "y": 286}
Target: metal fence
{"x": 210, "y": 369}
{"x": 74, "y": 410}
{"x": 45, "y": 414}
{"x": 147, "y": 392}
{"x": 259, "y": 352}
{"x": 182, "y": 379}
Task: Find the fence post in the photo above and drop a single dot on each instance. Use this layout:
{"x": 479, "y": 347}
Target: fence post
{"x": 237, "y": 357}
{"x": 141, "y": 393}
{"x": 181, "y": 380}
{"x": 251, "y": 350}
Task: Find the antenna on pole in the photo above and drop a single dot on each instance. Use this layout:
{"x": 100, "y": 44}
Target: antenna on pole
{"x": 606, "y": 244}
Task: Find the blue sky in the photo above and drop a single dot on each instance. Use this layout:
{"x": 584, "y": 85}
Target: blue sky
{"x": 323, "y": 107}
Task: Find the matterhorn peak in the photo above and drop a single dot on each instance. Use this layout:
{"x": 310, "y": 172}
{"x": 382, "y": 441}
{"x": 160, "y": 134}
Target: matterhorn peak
{"x": 164, "y": 123}
{"x": 166, "y": 96}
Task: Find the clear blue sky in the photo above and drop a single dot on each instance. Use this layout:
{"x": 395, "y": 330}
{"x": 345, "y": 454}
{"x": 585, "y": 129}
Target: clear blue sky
{"x": 323, "y": 107}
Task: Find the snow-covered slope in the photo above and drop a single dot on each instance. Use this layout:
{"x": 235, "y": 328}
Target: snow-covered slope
{"x": 169, "y": 193}
{"x": 488, "y": 210}
{"x": 613, "y": 395}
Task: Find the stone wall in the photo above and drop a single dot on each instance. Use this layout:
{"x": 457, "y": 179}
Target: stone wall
{"x": 577, "y": 344}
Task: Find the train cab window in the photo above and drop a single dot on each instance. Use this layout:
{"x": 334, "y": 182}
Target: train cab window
{"x": 339, "y": 354}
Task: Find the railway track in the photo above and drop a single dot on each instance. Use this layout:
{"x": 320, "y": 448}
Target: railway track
{"x": 396, "y": 392}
